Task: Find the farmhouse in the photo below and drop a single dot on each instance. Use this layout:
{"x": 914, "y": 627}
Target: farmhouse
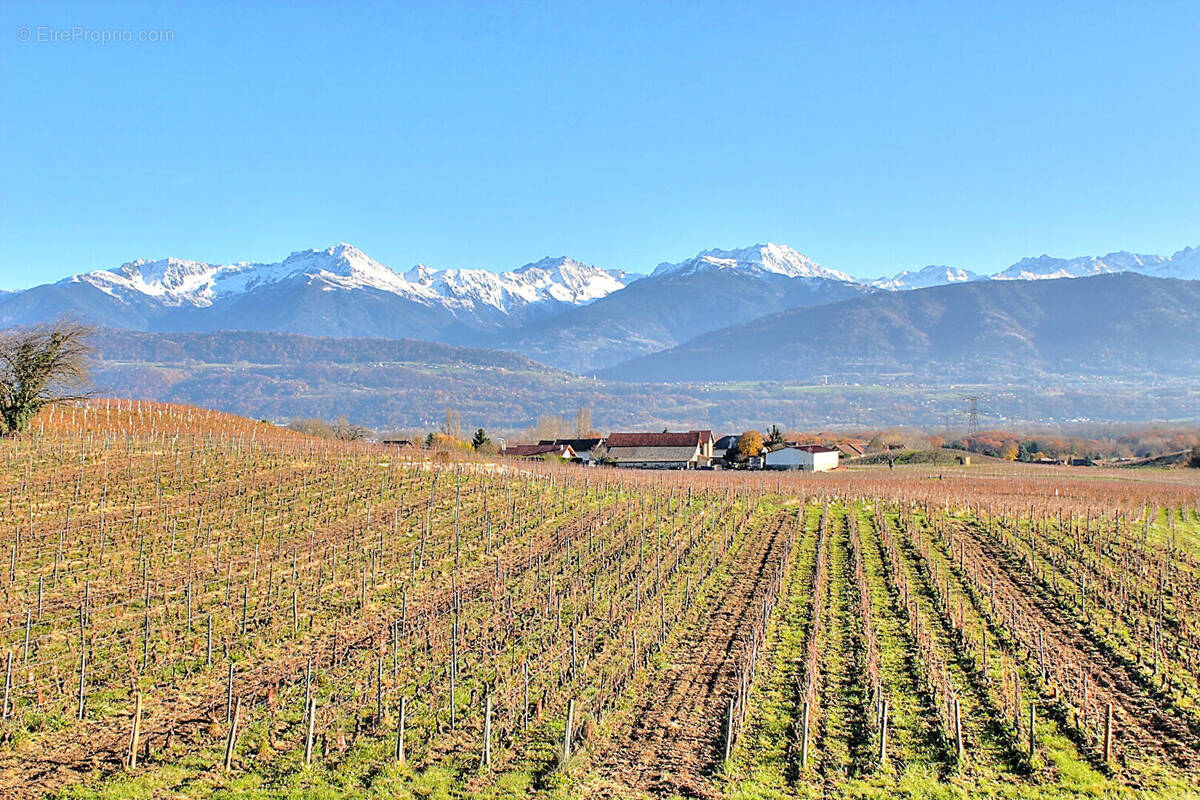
{"x": 563, "y": 451}
{"x": 722, "y": 446}
{"x": 811, "y": 457}
{"x": 687, "y": 450}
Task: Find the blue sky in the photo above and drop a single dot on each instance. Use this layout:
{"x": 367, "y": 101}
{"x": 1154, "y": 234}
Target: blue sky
{"x": 871, "y": 136}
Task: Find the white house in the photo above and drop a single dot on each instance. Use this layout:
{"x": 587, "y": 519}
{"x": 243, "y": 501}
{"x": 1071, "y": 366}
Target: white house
{"x": 811, "y": 457}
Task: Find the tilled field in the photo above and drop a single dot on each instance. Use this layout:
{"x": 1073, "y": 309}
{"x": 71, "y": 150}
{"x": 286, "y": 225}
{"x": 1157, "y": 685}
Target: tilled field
{"x": 196, "y": 605}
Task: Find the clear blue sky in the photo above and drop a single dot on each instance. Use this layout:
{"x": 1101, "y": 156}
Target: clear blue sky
{"x": 871, "y": 136}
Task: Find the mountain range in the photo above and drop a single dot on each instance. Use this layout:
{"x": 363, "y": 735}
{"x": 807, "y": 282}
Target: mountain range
{"x": 557, "y": 310}
{"x": 1117, "y": 325}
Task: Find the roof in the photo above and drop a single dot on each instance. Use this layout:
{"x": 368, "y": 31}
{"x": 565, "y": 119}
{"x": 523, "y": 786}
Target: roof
{"x": 578, "y": 445}
{"x": 726, "y": 442}
{"x": 534, "y": 449}
{"x": 815, "y": 448}
{"x": 687, "y": 439}
{"x": 637, "y": 455}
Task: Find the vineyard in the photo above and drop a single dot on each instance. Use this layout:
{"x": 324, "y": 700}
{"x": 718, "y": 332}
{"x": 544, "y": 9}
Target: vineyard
{"x": 198, "y": 605}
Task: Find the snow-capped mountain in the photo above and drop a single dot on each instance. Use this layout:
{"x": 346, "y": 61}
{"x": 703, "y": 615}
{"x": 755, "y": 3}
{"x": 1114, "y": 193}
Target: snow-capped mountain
{"x": 172, "y": 283}
{"x": 1184, "y": 264}
{"x": 557, "y": 310}
{"x": 551, "y": 280}
{"x": 776, "y": 259}
{"x": 1045, "y": 267}
{"x": 337, "y": 291}
{"x": 933, "y": 275}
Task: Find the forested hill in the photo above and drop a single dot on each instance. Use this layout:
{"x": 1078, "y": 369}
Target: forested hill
{"x": 231, "y": 347}
{"x": 1121, "y": 324}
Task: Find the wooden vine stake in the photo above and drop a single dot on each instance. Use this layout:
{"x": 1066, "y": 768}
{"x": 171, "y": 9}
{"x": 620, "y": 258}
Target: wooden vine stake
{"x": 7, "y": 683}
{"x": 1032, "y": 727}
{"x": 310, "y": 729}
{"x": 729, "y": 730}
{"x": 958, "y": 737}
{"x": 233, "y": 732}
{"x": 487, "y": 733}
{"x": 1108, "y": 733}
{"x": 135, "y": 733}
{"x": 82, "y": 679}
{"x": 566, "y": 743}
{"x": 883, "y": 715}
{"x": 804, "y": 737}
{"x": 400, "y": 730}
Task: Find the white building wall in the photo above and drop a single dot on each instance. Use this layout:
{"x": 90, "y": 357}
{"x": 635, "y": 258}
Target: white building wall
{"x": 791, "y": 458}
{"x": 823, "y": 461}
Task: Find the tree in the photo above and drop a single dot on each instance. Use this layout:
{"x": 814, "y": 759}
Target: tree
{"x": 774, "y": 436}
{"x": 750, "y": 444}
{"x": 312, "y": 427}
{"x": 583, "y": 422}
{"x": 452, "y": 427}
{"x": 346, "y": 432}
{"x": 550, "y": 427}
{"x": 39, "y": 367}
{"x": 479, "y": 439}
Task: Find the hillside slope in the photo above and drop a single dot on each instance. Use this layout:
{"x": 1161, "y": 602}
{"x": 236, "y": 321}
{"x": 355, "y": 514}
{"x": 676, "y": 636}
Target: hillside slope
{"x": 1120, "y": 324}
{"x": 663, "y": 310}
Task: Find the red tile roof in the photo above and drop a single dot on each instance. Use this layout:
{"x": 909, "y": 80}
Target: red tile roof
{"x": 688, "y": 439}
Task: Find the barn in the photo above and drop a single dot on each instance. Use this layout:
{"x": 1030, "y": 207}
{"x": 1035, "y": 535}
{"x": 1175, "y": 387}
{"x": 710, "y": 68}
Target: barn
{"x": 811, "y": 457}
{"x": 687, "y": 450}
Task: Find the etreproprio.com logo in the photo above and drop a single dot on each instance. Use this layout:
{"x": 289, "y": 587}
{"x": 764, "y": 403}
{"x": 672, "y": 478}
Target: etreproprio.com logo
{"x": 42, "y": 34}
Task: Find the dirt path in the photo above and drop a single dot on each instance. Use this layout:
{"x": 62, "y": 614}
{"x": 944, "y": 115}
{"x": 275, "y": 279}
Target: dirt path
{"x": 675, "y": 736}
{"x": 1144, "y": 724}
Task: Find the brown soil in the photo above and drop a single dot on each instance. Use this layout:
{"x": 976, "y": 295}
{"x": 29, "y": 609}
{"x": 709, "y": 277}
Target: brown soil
{"x": 49, "y": 763}
{"x": 1144, "y": 724}
{"x": 674, "y": 740}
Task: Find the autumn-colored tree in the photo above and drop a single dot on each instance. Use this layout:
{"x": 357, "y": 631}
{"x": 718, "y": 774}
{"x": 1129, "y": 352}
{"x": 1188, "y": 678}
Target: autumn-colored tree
{"x": 750, "y": 444}
{"x": 1010, "y": 451}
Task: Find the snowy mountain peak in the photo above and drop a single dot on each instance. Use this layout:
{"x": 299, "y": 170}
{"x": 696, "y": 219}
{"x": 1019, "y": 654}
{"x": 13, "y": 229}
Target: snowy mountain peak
{"x": 932, "y": 275}
{"x": 1044, "y": 266}
{"x": 771, "y": 258}
{"x": 170, "y": 281}
{"x": 420, "y": 274}
{"x": 343, "y": 266}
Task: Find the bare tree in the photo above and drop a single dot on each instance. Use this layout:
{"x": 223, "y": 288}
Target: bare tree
{"x": 452, "y": 427}
{"x": 312, "y": 427}
{"x": 349, "y": 433}
{"x": 583, "y": 422}
{"x": 41, "y": 366}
